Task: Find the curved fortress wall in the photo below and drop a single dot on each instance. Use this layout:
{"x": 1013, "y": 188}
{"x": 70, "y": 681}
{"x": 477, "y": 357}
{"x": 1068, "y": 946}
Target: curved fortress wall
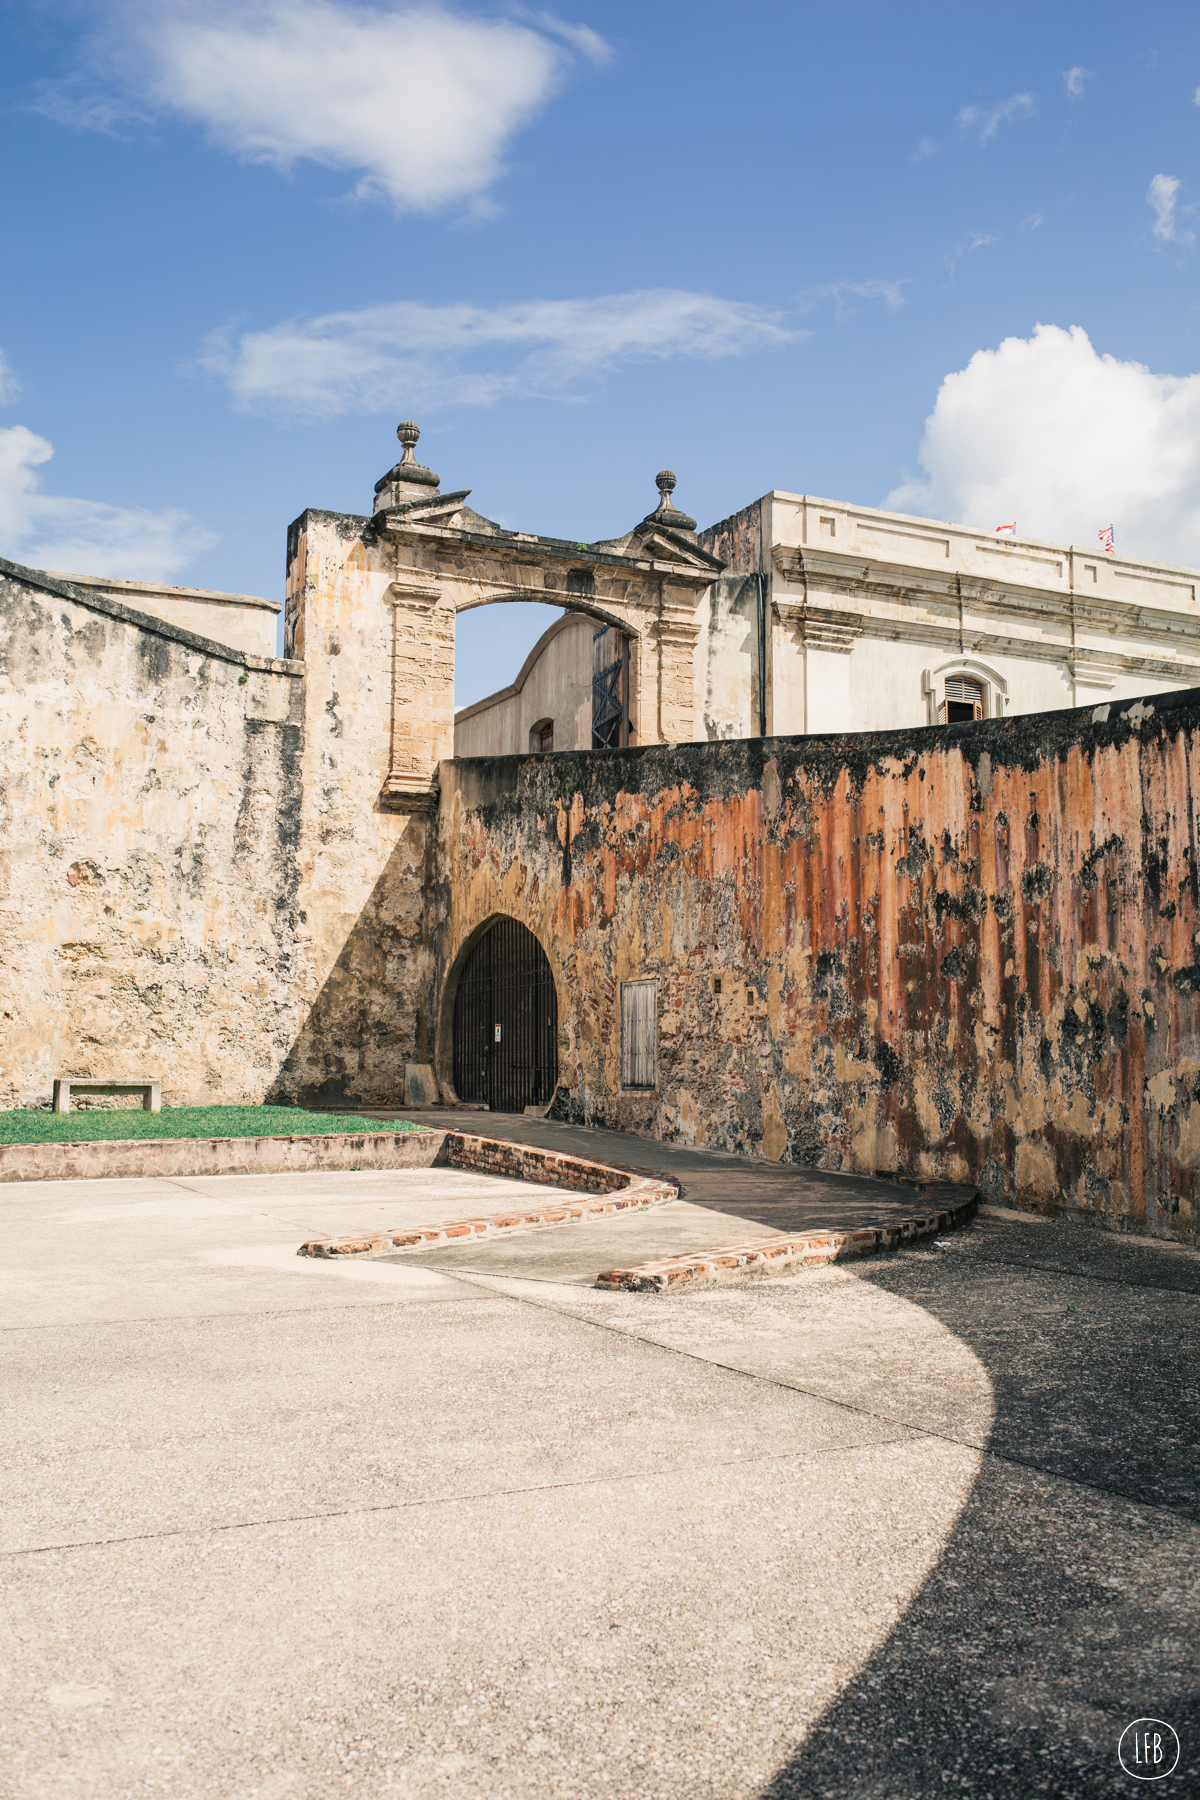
{"x": 968, "y": 953}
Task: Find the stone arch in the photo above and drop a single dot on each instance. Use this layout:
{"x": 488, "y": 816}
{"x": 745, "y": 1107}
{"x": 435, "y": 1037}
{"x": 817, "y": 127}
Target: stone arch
{"x": 628, "y": 619}
{"x": 457, "y": 963}
{"x": 441, "y": 559}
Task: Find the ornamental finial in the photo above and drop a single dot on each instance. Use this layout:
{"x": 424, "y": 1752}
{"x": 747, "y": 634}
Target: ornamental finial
{"x": 665, "y": 513}
{"x": 408, "y": 479}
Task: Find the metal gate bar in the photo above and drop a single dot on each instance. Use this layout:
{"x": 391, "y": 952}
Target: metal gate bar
{"x": 506, "y": 1022}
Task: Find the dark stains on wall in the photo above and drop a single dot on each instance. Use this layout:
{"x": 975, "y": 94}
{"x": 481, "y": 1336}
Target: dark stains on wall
{"x": 907, "y": 979}
{"x": 737, "y": 540}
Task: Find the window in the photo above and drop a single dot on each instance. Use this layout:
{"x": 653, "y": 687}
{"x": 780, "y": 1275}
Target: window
{"x": 963, "y": 702}
{"x": 541, "y": 738}
{"x": 961, "y": 691}
{"x": 639, "y": 1034}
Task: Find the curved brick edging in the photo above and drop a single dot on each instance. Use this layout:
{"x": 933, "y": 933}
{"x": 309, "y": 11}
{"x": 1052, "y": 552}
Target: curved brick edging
{"x": 779, "y": 1254}
{"x": 128, "y": 1158}
{"x": 610, "y": 1190}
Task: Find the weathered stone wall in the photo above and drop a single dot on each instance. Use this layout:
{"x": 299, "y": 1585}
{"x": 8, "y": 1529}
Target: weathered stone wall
{"x": 240, "y": 621}
{"x": 364, "y": 957}
{"x": 149, "y": 820}
{"x": 197, "y": 877}
{"x": 727, "y": 660}
{"x": 967, "y": 953}
{"x": 371, "y": 609}
{"x": 738, "y": 540}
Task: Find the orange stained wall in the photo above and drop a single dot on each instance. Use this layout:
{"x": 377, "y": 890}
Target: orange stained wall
{"x": 967, "y": 953}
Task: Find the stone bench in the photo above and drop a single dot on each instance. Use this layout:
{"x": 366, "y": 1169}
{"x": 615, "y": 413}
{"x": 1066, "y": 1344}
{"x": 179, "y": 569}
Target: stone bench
{"x": 65, "y": 1085}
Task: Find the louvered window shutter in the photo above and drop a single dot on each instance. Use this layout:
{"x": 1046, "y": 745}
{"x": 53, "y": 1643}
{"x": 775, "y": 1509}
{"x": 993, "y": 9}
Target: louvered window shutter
{"x": 961, "y": 692}
{"x": 639, "y": 1034}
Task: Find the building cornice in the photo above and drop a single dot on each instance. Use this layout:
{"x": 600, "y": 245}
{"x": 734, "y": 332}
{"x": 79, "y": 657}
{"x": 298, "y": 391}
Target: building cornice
{"x": 831, "y": 628}
{"x": 533, "y": 550}
{"x": 902, "y": 588}
{"x": 812, "y": 515}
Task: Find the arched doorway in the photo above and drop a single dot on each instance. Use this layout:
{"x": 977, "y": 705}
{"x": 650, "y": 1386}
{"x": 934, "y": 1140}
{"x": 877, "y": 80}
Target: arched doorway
{"x": 506, "y": 1021}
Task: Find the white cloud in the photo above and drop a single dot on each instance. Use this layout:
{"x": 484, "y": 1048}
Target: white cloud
{"x": 976, "y": 241}
{"x": 411, "y": 355}
{"x": 84, "y": 537}
{"x": 418, "y": 101}
{"x": 890, "y": 292}
{"x": 926, "y": 146}
{"x": 988, "y": 119}
{"x": 1161, "y": 198}
{"x": 1074, "y": 79}
{"x": 1047, "y": 431}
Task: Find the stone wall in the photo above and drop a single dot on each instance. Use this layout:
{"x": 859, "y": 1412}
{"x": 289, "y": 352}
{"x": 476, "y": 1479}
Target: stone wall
{"x": 149, "y": 827}
{"x": 727, "y": 660}
{"x": 968, "y": 953}
{"x": 367, "y": 881}
{"x": 198, "y": 879}
{"x": 240, "y": 621}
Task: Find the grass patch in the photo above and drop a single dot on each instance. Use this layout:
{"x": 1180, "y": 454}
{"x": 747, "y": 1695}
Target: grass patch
{"x": 35, "y": 1127}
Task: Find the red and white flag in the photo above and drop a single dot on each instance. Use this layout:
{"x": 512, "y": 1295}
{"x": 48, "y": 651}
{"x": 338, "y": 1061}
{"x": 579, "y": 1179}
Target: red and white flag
{"x": 1007, "y": 530}
{"x": 1106, "y": 538}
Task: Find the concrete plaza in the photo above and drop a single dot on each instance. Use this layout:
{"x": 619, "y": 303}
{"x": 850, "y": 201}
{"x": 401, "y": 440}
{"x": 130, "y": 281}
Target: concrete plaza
{"x": 274, "y": 1527}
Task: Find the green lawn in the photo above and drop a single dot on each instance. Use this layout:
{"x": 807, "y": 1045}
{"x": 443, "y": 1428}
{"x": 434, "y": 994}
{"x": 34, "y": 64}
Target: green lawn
{"x": 21, "y": 1127}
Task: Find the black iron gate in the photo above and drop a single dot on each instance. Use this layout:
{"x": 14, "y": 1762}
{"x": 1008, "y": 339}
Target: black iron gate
{"x": 506, "y": 1021}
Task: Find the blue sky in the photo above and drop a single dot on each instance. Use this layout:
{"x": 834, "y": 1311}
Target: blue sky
{"x": 748, "y": 241}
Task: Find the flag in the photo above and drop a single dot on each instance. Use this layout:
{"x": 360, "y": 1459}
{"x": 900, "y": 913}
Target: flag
{"x": 1007, "y": 530}
{"x": 1105, "y": 535}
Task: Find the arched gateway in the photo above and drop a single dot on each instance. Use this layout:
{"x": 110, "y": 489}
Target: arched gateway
{"x": 439, "y": 557}
{"x": 506, "y": 1021}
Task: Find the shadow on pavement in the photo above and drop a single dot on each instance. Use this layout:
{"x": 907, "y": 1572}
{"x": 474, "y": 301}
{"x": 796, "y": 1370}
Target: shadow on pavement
{"x": 1065, "y": 1604}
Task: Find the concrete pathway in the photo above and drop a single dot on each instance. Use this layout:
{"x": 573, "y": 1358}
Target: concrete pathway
{"x": 724, "y": 1199}
{"x": 275, "y": 1527}
{"x": 576, "y": 1254}
{"x": 769, "y": 1196}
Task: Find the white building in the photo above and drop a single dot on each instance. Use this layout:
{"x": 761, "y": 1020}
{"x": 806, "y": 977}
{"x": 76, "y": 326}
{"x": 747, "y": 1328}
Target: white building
{"x": 833, "y": 618}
